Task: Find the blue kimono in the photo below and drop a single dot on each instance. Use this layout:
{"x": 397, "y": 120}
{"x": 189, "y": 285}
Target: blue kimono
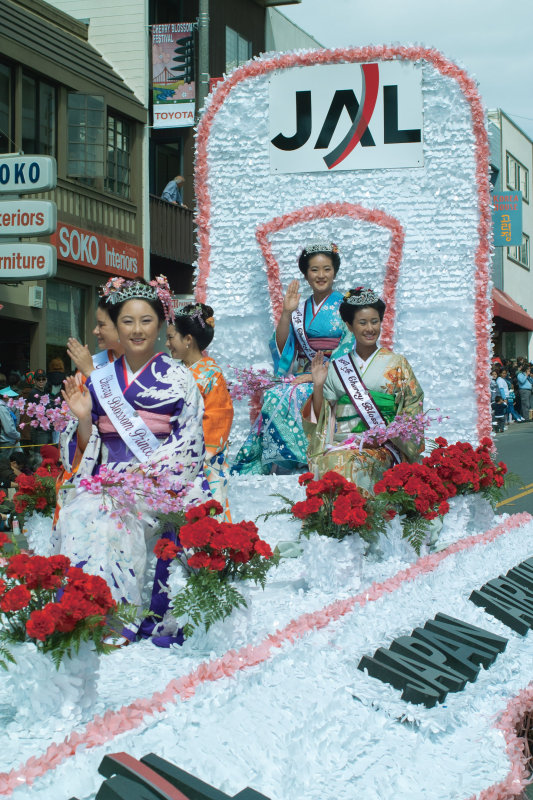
{"x": 277, "y": 442}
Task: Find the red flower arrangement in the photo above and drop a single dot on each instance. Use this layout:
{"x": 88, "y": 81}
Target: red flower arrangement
{"x": 56, "y": 606}
{"x": 465, "y": 469}
{"x": 333, "y": 507}
{"x": 215, "y": 554}
{"x": 37, "y": 492}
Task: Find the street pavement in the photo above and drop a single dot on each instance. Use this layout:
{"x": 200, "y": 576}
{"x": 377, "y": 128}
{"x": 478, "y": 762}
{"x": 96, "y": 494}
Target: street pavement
{"x": 515, "y": 448}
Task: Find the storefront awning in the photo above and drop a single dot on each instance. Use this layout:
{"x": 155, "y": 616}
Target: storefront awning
{"x": 505, "y": 307}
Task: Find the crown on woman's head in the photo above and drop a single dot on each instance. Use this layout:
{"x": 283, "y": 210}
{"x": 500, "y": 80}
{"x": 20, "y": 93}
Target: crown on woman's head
{"x": 364, "y": 297}
{"x": 194, "y": 311}
{"x": 320, "y": 247}
{"x": 118, "y": 290}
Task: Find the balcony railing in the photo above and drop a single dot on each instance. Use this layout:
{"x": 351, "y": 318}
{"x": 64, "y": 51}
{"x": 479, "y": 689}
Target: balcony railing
{"x": 171, "y": 231}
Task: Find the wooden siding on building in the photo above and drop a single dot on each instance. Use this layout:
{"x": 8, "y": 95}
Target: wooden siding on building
{"x": 171, "y": 231}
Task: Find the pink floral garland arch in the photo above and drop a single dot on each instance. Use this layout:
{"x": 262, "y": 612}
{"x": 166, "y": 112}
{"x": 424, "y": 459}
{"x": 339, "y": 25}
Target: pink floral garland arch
{"x": 373, "y": 216}
{"x": 359, "y": 55}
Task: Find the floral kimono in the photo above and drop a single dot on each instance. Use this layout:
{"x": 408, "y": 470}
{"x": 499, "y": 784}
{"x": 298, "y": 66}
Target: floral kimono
{"x": 277, "y": 439}
{"x": 394, "y": 389}
{"x": 218, "y": 416}
{"x": 164, "y": 396}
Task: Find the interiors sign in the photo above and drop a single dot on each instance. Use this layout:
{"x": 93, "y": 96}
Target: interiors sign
{"x": 89, "y": 249}
{"x": 346, "y": 117}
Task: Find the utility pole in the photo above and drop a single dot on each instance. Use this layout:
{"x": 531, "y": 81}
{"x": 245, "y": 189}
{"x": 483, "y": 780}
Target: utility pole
{"x": 203, "y": 53}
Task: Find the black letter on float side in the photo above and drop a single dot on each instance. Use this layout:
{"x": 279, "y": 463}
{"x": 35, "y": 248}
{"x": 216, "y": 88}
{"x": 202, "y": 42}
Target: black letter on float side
{"x": 343, "y": 98}
{"x": 508, "y": 602}
{"x": 303, "y": 125}
{"x": 391, "y": 134}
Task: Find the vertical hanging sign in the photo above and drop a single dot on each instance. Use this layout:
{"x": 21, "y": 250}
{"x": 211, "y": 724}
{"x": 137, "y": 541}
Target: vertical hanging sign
{"x": 173, "y": 89}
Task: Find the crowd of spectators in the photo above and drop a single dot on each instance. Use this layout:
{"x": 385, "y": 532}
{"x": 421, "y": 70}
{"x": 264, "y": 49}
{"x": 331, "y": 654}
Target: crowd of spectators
{"x": 511, "y": 384}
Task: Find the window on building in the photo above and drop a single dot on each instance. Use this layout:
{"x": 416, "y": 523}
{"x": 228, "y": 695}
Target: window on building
{"x": 86, "y": 120}
{"x": 5, "y": 109}
{"x": 238, "y": 49}
{"x": 65, "y": 316}
{"x": 38, "y": 116}
{"x": 118, "y": 156}
{"x": 520, "y": 253}
{"x": 517, "y": 176}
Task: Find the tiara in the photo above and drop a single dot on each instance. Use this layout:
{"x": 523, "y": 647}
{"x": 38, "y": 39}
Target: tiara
{"x": 365, "y": 297}
{"x": 320, "y": 247}
{"x": 118, "y": 290}
{"x": 195, "y": 312}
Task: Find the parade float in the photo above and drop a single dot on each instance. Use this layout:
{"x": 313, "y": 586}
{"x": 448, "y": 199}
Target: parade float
{"x": 351, "y": 674}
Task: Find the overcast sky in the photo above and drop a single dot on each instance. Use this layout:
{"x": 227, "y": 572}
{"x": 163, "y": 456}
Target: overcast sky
{"x": 491, "y": 39}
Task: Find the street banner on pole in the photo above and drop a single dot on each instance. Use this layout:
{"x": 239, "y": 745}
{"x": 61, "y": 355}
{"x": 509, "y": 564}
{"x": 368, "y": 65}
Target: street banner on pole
{"x": 173, "y": 88}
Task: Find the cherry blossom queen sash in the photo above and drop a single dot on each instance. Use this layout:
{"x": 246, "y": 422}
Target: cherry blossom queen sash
{"x": 361, "y": 398}
{"x": 100, "y": 359}
{"x": 133, "y": 431}
{"x": 298, "y": 318}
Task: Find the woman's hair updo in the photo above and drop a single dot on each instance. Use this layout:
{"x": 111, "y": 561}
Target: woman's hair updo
{"x": 196, "y": 320}
{"x": 329, "y": 249}
{"x": 357, "y": 299}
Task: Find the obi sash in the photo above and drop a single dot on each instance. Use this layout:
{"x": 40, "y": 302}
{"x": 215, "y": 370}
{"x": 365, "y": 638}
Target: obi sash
{"x": 361, "y": 398}
{"x": 131, "y": 428}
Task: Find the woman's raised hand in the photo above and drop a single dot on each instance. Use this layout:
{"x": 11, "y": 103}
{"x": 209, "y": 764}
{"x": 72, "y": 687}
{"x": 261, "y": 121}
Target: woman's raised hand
{"x": 319, "y": 369}
{"x": 79, "y": 402}
{"x": 292, "y": 297}
{"x": 81, "y": 356}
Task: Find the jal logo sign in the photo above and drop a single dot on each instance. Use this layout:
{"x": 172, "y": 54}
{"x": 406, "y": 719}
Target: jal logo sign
{"x": 346, "y": 117}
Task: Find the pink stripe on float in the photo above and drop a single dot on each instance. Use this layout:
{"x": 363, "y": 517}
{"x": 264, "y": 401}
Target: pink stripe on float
{"x": 518, "y": 776}
{"x": 467, "y": 85}
{"x": 104, "y": 729}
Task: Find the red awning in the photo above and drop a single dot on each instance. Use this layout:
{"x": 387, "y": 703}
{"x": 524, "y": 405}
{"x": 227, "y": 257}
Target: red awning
{"x": 505, "y": 307}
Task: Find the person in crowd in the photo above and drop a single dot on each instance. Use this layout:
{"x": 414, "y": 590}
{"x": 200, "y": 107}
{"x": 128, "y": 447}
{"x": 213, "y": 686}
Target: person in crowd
{"x": 172, "y": 192}
{"x": 494, "y": 390}
{"x": 56, "y": 375}
{"x": 500, "y": 413}
{"x": 277, "y": 442}
{"x": 525, "y": 385}
{"x": 39, "y": 390}
{"x": 366, "y": 387}
{"x": 9, "y": 435}
{"x": 191, "y": 333}
{"x": 510, "y": 398}
{"x": 157, "y": 394}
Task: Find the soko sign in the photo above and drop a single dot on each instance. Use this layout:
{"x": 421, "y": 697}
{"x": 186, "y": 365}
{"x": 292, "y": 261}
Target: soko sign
{"x": 89, "y": 249}
{"x": 25, "y": 174}
{"x": 346, "y": 117}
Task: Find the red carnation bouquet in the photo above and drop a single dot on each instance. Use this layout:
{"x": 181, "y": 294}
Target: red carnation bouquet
{"x": 215, "y": 555}
{"x": 37, "y": 492}
{"x": 46, "y": 601}
{"x": 464, "y": 469}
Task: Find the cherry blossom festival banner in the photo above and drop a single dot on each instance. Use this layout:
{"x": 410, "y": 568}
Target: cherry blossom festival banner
{"x": 382, "y": 150}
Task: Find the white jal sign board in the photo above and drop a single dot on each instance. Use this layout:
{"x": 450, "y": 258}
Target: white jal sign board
{"x": 25, "y": 262}
{"x": 27, "y": 217}
{"x": 21, "y": 174}
{"x": 334, "y": 117}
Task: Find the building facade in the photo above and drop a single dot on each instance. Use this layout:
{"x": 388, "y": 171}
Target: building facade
{"x": 58, "y": 97}
{"x": 511, "y": 171}
{"x": 120, "y": 30}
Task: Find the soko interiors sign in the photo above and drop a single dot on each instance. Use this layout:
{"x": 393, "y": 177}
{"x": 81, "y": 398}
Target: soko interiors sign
{"x": 89, "y": 249}
{"x": 346, "y": 117}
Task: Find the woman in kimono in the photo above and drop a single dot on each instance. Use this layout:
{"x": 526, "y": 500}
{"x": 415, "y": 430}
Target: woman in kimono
{"x": 142, "y": 409}
{"x": 191, "y": 333}
{"x": 357, "y": 391}
{"x": 277, "y": 442}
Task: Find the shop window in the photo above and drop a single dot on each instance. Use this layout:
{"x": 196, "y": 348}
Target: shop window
{"x": 118, "y": 156}
{"x": 86, "y": 118}
{"x": 6, "y": 138}
{"x": 38, "y": 116}
{"x": 520, "y": 253}
{"x": 65, "y": 316}
{"x": 238, "y": 49}
{"x": 517, "y": 176}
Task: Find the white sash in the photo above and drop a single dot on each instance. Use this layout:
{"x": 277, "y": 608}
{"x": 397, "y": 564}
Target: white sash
{"x": 100, "y": 359}
{"x": 298, "y": 320}
{"x": 126, "y": 421}
{"x": 361, "y": 398}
